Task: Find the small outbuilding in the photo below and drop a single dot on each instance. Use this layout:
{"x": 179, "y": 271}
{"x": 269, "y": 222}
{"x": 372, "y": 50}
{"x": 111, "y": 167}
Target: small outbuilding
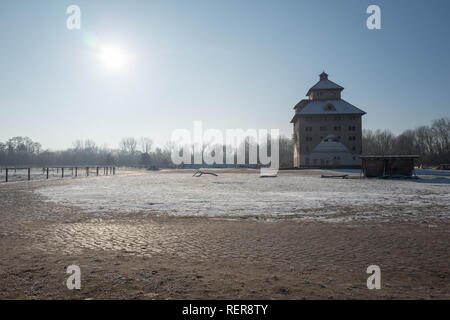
{"x": 444, "y": 167}
{"x": 388, "y": 166}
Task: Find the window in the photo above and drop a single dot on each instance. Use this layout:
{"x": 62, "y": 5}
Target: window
{"x": 351, "y": 128}
{"x": 337, "y": 128}
{"x": 351, "y": 138}
{"x": 308, "y": 128}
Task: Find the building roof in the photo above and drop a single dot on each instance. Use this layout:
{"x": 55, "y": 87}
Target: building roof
{"x": 301, "y": 104}
{"x": 330, "y": 145}
{"x": 324, "y": 84}
{"x": 329, "y": 107}
{"x": 406, "y": 156}
{"x": 325, "y": 107}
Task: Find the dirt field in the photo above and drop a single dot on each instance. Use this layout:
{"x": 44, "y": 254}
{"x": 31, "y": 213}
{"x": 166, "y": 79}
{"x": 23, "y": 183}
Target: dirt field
{"x": 147, "y": 254}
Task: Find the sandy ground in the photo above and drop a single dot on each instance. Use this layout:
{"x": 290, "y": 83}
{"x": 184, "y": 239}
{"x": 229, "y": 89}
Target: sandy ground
{"x": 140, "y": 255}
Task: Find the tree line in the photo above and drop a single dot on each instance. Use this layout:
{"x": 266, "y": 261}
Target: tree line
{"x": 431, "y": 143}
{"x": 22, "y": 151}
{"x": 132, "y": 152}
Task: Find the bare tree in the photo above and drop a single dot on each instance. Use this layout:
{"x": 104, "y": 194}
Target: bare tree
{"x": 128, "y": 145}
{"x": 146, "y": 144}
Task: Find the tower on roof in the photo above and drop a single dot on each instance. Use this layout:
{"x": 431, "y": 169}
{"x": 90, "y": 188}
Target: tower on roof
{"x": 324, "y": 89}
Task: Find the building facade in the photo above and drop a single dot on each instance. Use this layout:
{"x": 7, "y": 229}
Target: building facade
{"x": 327, "y": 129}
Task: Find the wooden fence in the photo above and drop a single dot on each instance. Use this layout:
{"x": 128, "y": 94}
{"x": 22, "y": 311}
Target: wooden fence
{"x": 74, "y": 171}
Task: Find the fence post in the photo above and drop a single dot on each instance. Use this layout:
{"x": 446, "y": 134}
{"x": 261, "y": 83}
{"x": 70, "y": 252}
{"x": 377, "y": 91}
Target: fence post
{"x": 29, "y": 174}
{"x": 76, "y": 171}
{"x": 47, "y": 173}
{"x": 6, "y": 175}
{"x": 87, "y": 171}
{"x": 62, "y": 172}
{"x": 97, "y": 171}
{"x": 114, "y": 170}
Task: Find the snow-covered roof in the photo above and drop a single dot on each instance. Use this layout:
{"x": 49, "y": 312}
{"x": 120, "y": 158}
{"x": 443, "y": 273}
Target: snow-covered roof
{"x": 301, "y": 104}
{"x": 329, "y": 107}
{"x": 324, "y": 84}
{"x": 323, "y": 107}
{"x": 330, "y": 145}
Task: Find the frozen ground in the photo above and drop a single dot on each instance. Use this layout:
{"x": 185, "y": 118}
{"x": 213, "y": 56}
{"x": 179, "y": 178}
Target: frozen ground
{"x": 295, "y": 194}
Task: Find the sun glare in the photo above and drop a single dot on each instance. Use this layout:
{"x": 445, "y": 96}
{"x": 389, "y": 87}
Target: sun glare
{"x": 113, "y": 58}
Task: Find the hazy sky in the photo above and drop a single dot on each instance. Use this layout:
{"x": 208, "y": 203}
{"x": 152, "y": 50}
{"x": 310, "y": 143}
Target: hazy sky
{"x": 231, "y": 64}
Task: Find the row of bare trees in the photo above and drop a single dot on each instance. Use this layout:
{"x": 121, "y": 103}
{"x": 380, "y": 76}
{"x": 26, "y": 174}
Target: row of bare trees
{"x": 22, "y": 151}
{"x": 431, "y": 143}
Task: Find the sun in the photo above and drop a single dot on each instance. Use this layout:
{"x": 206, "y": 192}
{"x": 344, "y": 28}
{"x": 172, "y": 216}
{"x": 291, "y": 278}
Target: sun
{"x": 113, "y": 58}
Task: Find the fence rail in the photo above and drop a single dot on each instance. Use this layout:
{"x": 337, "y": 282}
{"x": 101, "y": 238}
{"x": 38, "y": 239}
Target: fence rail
{"x": 74, "y": 171}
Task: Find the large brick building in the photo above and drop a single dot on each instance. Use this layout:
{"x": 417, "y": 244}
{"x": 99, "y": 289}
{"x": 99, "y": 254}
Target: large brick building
{"x": 327, "y": 129}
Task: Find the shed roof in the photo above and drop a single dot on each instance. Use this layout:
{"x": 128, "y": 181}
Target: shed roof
{"x": 406, "y": 156}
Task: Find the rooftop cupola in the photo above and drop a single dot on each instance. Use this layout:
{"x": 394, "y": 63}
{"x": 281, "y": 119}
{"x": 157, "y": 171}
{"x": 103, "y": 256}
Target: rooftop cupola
{"x": 325, "y": 89}
{"x": 323, "y": 76}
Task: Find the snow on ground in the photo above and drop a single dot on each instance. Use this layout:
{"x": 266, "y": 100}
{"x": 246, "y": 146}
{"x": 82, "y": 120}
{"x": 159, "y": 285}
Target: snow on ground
{"x": 234, "y": 194}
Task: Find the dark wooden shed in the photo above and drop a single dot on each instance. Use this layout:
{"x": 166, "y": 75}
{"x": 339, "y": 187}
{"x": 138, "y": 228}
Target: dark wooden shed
{"x": 388, "y": 166}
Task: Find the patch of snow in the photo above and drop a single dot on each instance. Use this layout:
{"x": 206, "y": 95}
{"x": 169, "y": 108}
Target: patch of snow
{"x": 235, "y": 194}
